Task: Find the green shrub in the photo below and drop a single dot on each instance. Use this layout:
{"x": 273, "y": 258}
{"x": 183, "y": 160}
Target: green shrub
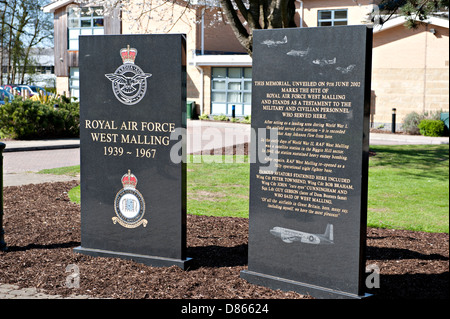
{"x": 412, "y": 120}
{"x": 220, "y": 117}
{"x": 411, "y": 123}
{"x": 431, "y": 127}
{"x": 28, "y": 119}
{"x": 203, "y": 117}
{"x": 247, "y": 119}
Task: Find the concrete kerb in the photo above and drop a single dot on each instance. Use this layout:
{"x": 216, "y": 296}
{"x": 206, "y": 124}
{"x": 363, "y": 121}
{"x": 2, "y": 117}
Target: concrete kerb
{"x": 38, "y": 145}
{"x": 404, "y": 139}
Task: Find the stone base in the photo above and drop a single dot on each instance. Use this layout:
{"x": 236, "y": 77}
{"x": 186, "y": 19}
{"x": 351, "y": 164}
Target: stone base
{"x": 299, "y": 287}
{"x": 153, "y": 261}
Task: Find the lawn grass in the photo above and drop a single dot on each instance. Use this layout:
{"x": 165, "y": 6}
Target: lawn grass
{"x": 75, "y": 194}
{"x": 408, "y": 187}
{"x": 216, "y": 188}
{"x": 68, "y": 170}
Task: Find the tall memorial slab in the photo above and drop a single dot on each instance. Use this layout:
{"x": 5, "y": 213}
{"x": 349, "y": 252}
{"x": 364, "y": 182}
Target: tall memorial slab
{"x": 308, "y": 184}
{"x": 133, "y": 178}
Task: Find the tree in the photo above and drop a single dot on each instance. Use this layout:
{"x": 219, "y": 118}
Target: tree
{"x": 23, "y": 26}
{"x": 258, "y": 14}
{"x": 415, "y": 11}
{"x": 244, "y": 16}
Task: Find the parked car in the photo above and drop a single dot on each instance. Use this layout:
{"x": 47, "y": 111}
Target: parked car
{"x": 33, "y": 90}
{"x": 5, "y": 95}
{"x": 11, "y": 88}
{"x": 22, "y": 88}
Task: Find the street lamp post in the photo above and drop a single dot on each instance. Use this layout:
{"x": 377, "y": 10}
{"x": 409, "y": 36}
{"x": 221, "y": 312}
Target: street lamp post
{"x": 2, "y": 232}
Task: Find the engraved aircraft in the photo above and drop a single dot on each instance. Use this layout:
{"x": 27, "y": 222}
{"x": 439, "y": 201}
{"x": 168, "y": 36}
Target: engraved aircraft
{"x": 271, "y": 43}
{"x": 300, "y": 53}
{"x": 289, "y": 236}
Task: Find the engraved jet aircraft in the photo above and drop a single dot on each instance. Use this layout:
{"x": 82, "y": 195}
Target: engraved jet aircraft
{"x": 271, "y": 43}
{"x": 289, "y": 236}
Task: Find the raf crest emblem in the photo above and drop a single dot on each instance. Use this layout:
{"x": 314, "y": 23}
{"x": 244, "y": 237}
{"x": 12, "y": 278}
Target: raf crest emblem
{"x": 129, "y": 204}
{"x": 129, "y": 82}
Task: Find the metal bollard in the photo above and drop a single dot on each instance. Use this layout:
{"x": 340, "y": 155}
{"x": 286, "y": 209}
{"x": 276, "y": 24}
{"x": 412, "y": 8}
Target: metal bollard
{"x": 394, "y": 111}
{"x": 2, "y": 232}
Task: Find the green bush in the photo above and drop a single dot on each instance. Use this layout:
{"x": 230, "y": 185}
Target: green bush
{"x": 431, "y": 127}
{"x": 412, "y": 120}
{"x": 28, "y": 119}
{"x": 411, "y": 123}
{"x": 220, "y": 117}
{"x": 247, "y": 119}
{"x": 203, "y": 117}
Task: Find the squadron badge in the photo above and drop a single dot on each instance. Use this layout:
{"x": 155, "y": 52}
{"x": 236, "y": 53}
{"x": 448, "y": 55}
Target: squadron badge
{"x": 129, "y": 82}
{"x": 129, "y": 204}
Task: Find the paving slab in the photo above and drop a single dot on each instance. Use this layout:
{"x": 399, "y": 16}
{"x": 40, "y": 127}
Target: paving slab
{"x": 8, "y": 291}
{"x": 25, "y": 178}
{"x": 36, "y": 145}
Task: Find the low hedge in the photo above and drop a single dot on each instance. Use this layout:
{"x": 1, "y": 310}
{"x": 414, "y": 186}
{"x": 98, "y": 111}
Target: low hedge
{"x": 431, "y": 127}
{"x": 28, "y": 119}
{"x": 412, "y": 121}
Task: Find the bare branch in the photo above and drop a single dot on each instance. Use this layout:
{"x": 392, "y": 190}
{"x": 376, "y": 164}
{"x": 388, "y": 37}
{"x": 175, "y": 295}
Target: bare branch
{"x": 236, "y": 25}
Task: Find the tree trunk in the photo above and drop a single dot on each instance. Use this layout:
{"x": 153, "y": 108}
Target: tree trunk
{"x": 260, "y": 14}
{"x": 23, "y": 26}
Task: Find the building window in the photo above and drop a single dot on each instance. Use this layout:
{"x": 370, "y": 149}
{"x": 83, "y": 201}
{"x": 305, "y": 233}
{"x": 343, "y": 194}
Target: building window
{"x": 332, "y": 17}
{"x": 231, "y": 87}
{"x": 83, "y": 21}
{"x": 74, "y": 83}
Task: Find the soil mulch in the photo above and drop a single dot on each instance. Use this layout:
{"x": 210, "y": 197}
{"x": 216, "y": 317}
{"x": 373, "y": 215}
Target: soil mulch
{"x": 42, "y": 227}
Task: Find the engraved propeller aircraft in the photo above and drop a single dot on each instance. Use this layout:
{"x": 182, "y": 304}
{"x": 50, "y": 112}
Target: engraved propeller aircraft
{"x": 289, "y": 236}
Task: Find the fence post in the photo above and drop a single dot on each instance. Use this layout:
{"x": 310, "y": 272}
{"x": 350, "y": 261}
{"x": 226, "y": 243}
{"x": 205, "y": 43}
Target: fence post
{"x": 2, "y": 232}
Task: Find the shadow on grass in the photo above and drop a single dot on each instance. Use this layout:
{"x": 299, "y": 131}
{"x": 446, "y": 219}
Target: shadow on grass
{"x": 426, "y": 161}
{"x": 423, "y": 155}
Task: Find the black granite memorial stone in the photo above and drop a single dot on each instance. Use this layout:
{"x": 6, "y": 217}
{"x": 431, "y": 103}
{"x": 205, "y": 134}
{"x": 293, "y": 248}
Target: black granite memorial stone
{"x": 308, "y": 191}
{"x": 133, "y": 178}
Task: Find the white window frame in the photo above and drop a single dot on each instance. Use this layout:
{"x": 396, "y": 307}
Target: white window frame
{"x": 78, "y": 24}
{"x": 229, "y": 88}
{"x": 333, "y": 19}
{"x": 74, "y": 82}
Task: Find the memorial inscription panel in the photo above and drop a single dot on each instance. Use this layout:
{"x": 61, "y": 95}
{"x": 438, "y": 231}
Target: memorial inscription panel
{"x": 133, "y": 190}
{"x": 308, "y": 209}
